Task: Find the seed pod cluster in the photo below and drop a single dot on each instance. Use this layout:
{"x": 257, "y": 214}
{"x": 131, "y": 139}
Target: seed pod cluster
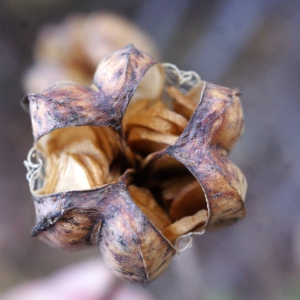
{"x": 136, "y": 169}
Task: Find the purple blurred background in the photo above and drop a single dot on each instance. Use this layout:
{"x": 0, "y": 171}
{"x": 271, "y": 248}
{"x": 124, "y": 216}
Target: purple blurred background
{"x": 252, "y": 45}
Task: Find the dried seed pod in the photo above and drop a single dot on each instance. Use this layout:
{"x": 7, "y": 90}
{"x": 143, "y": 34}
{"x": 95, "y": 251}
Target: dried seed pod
{"x": 73, "y": 48}
{"x": 87, "y": 186}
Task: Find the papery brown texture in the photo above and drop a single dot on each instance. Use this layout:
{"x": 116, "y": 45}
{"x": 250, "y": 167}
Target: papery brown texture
{"x": 72, "y": 49}
{"x": 145, "y": 198}
{"x": 108, "y": 217}
{"x": 69, "y": 104}
{"x": 212, "y": 131}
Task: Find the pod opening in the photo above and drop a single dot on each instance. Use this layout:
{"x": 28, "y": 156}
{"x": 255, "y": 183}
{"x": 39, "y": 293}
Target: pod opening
{"x": 179, "y": 195}
{"x": 165, "y": 190}
{"x": 75, "y": 158}
{"x": 155, "y": 120}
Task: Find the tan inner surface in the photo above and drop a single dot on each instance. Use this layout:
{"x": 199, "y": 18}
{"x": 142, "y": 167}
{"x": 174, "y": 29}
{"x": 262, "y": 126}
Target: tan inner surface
{"x": 151, "y": 126}
{"x": 78, "y": 158}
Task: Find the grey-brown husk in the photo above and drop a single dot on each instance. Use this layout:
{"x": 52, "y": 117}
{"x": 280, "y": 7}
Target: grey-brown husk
{"x": 134, "y": 168}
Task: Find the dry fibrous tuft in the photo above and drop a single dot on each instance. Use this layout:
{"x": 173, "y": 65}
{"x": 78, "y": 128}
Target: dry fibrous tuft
{"x": 136, "y": 164}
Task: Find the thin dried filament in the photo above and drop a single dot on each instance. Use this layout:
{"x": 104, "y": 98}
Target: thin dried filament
{"x": 185, "y": 225}
{"x": 184, "y": 80}
{"x": 35, "y": 169}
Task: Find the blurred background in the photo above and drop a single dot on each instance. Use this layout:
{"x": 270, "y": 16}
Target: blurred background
{"x": 253, "y": 45}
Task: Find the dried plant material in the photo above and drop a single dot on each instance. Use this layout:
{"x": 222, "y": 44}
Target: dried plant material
{"x": 149, "y": 206}
{"x": 148, "y": 141}
{"x": 150, "y": 126}
{"x": 152, "y": 85}
{"x": 71, "y": 50}
{"x": 152, "y": 122}
{"x": 104, "y": 32}
{"x": 171, "y": 187}
{"x": 186, "y": 225}
{"x": 81, "y": 155}
{"x": 158, "y": 117}
{"x": 134, "y": 108}
{"x": 76, "y": 223}
{"x": 134, "y": 178}
{"x": 159, "y": 109}
{"x": 44, "y": 73}
{"x": 55, "y": 42}
{"x": 187, "y": 201}
{"x": 182, "y": 103}
{"x": 194, "y": 94}
{"x": 221, "y": 182}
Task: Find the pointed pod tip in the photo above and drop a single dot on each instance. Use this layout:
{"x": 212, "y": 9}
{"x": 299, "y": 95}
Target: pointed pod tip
{"x": 25, "y": 103}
